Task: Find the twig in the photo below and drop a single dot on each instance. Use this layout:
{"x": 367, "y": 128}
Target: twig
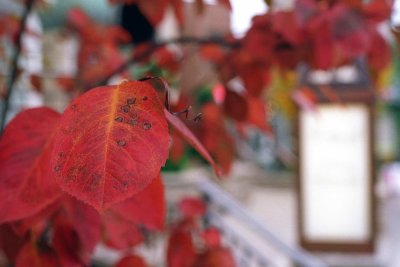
{"x": 155, "y": 45}
{"x": 14, "y": 63}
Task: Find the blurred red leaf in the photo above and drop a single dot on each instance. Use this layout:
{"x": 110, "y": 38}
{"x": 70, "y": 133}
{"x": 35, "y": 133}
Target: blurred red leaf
{"x": 166, "y": 59}
{"x": 215, "y": 137}
{"x": 154, "y": 10}
{"x": 131, "y": 261}
{"x": 380, "y": 54}
{"x": 118, "y": 232}
{"x": 10, "y": 242}
{"x": 26, "y": 182}
{"x": 32, "y": 256}
{"x": 146, "y": 208}
{"x": 178, "y": 147}
{"x": 213, "y": 53}
{"x": 216, "y": 257}
{"x": 76, "y": 232}
{"x": 78, "y": 18}
{"x": 258, "y": 114}
{"x": 113, "y": 141}
{"x": 377, "y": 11}
{"x": 192, "y": 207}
{"x": 181, "y": 251}
{"x": 226, "y": 3}
{"x": 189, "y": 137}
{"x": 66, "y": 83}
{"x": 178, "y": 8}
{"x": 36, "y": 82}
{"x": 235, "y": 106}
{"x": 212, "y": 237}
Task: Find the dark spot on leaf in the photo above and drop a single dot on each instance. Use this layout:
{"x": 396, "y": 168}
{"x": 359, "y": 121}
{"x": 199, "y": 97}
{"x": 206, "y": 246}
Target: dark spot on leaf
{"x": 73, "y": 106}
{"x": 96, "y": 178}
{"x": 119, "y": 119}
{"x": 133, "y": 122}
{"x": 121, "y": 143}
{"x": 61, "y": 154}
{"x": 125, "y": 108}
{"x": 146, "y": 125}
{"x": 145, "y": 98}
{"x": 131, "y": 101}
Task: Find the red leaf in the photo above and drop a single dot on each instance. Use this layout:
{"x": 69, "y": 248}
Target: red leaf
{"x": 10, "y": 242}
{"x": 120, "y": 233}
{"x": 215, "y": 137}
{"x": 192, "y": 207}
{"x": 349, "y": 31}
{"x": 66, "y": 242}
{"x": 181, "y": 251}
{"x": 212, "y": 237}
{"x": 37, "y": 222}
{"x": 36, "y": 82}
{"x": 212, "y": 52}
{"x": 189, "y": 137}
{"x": 78, "y": 18}
{"x": 166, "y": 59}
{"x": 216, "y": 257}
{"x": 284, "y": 23}
{"x": 178, "y": 8}
{"x": 377, "y": 11}
{"x": 154, "y": 10}
{"x": 86, "y": 222}
{"x": 226, "y": 3}
{"x": 131, "y": 261}
{"x": 235, "y": 106}
{"x": 113, "y": 141}
{"x": 258, "y": 115}
{"x": 178, "y": 147}
{"x": 26, "y": 181}
{"x": 34, "y": 257}
{"x": 66, "y": 83}
{"x": 380, "y": 54}
{"x": 76, "y": 232}
{"x": 146, "y": 208}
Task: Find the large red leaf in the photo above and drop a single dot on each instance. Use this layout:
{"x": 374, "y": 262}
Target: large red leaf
{"x": 26, "y": 181}
{"x": 112, "y": 143}
{"x": 189, "y": 137}
{"x": 146, "y": 208}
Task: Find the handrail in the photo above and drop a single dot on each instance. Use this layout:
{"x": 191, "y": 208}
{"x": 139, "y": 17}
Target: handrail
{"x": 216, "y": 194}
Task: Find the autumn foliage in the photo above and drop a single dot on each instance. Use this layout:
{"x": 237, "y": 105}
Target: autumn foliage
{"x": 92, "y": 174}
{"x": 89, "y": 175}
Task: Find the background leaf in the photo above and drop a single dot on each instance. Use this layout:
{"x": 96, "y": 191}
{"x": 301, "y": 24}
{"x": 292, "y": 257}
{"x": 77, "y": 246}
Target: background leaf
{"x": 26, "y": 180}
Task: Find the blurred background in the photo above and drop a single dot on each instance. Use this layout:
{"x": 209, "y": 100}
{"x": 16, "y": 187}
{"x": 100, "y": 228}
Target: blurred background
{"x": 300, "y": 104}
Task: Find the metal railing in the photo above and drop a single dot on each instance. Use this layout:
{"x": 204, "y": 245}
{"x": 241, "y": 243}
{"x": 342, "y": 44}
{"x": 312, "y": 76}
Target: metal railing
{"x": 222, "y": 204}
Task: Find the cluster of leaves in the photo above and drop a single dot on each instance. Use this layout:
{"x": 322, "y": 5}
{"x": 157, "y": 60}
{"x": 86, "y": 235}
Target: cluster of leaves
{"x": 321, "y": 33}
{"x": 192, "y": 245}
{"x": 87, "y": 176}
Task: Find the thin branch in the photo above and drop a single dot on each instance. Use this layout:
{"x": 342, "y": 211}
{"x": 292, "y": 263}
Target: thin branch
{"x": 155, "y": 45}
{"x": 14, "y": 63}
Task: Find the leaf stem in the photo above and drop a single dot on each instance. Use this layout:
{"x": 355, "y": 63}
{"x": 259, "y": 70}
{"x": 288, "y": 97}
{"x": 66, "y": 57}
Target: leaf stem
{"x": 14, "y": 63}
{"x": 157, "y": 44}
